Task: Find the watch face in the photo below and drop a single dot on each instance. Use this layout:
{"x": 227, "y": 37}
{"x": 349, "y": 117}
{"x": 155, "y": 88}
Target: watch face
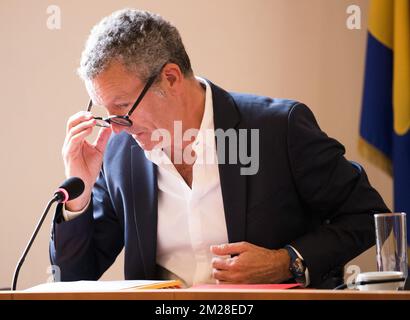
{"x": 298, "y": 268}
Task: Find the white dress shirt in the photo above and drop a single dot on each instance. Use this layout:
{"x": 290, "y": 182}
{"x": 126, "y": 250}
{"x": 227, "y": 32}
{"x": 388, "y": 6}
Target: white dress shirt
{"x": 190, "y": 220}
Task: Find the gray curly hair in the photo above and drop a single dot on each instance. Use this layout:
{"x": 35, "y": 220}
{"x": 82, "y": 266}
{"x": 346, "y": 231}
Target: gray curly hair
{"x": 141, "y": 40}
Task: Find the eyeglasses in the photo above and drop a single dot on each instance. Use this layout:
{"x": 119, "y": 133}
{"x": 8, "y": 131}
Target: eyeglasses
{"x": 125, "y": 120}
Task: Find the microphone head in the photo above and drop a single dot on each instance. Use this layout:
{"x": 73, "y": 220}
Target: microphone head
{"x": 69, "y": 189}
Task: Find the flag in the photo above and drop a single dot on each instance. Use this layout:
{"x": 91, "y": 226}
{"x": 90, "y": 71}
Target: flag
{"x": 385, "y": 119}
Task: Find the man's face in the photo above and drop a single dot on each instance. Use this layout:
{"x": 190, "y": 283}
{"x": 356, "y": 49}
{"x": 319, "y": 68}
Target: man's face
{"x": 116, "y": 88}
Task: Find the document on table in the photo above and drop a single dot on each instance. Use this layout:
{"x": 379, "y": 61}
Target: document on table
{"x": 103, "y": 286}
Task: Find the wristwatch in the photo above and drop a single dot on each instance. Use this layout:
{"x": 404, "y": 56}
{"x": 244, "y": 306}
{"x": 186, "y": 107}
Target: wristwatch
{"x": 297, "y": 266}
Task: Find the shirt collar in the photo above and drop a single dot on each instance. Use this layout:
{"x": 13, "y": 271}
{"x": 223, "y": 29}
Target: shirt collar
{"x": 206, "y": 134}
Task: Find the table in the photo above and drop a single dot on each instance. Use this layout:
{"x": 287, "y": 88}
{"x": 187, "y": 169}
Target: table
{"x": 220, "y": 294}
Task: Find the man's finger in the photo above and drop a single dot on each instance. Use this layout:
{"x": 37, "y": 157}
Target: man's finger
{"x": 220, "y": 263}
{"x": 84, "y": 126}
{"x": 102, "y": 139}
{"x": 220, "y": 275}
{"x": 81, "y": 127}
{"x": 76, "y": 141}
{"x": 77, "y": 118}
{"x": 230, "y": 248}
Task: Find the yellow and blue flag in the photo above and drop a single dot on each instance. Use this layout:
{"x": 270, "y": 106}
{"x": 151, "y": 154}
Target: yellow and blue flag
{"x": 385, "y": 119}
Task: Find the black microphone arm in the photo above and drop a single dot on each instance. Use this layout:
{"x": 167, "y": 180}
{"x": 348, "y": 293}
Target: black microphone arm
{"x": 30, "y": 243}
{"x": 69, "y": 190}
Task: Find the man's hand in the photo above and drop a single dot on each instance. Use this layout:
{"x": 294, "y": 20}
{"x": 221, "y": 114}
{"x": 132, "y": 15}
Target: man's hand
{"x": 81, "y": 158}
{"x": 250, "y": 264}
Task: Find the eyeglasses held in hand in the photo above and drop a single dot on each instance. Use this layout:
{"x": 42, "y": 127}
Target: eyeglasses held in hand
{"x": 125, "y": 120}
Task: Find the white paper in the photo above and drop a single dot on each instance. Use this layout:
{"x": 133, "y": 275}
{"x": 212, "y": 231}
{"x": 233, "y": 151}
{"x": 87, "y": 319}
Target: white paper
{"x": 89, "y": 286}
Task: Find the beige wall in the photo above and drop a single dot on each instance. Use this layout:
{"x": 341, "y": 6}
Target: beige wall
{"x": 298, "y": 49}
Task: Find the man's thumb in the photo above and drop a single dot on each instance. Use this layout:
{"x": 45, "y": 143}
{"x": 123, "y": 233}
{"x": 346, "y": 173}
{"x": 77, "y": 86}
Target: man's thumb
{"x": 102, "y": 139}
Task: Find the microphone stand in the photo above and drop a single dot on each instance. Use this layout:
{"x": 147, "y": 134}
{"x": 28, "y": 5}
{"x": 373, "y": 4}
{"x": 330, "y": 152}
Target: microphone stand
{"x": 26, "y": 250}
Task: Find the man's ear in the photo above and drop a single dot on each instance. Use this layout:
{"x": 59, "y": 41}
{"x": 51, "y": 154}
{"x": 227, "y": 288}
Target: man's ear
{"x": 173, "y": 76}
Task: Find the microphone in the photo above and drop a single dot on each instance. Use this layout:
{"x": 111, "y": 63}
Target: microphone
{"x": 69, "y": 190}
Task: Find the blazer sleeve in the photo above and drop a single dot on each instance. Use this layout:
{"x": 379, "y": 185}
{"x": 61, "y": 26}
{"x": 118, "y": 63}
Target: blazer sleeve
{"x": 335, "y": 192}
{"x": 85, "y": 247}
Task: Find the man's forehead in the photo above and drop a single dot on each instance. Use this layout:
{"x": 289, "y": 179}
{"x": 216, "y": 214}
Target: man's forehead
{"x": 109, "y": 93}
{"x": 116, "y": 82}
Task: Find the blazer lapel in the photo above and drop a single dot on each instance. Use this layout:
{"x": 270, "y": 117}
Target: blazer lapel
{"x": 144, "y": 191}
{"x": 233, "y": 184}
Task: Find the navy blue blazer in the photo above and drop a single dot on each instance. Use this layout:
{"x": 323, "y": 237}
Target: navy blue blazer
{"x": 305, "y": 193}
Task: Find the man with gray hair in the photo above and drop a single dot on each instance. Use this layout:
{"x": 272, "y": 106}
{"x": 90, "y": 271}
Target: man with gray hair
{"x": 160, "y": 181}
